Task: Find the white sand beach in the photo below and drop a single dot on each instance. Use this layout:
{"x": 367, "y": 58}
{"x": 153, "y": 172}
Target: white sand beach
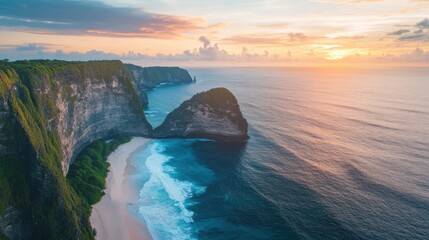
{"x": 112, "y": 217}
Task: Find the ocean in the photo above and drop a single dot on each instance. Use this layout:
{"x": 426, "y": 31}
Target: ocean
{"x": 333, "y": 154}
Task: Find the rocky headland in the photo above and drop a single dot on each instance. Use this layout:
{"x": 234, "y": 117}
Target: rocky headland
{"x": 150, "y": 77}
{"x": 214, "y": 114}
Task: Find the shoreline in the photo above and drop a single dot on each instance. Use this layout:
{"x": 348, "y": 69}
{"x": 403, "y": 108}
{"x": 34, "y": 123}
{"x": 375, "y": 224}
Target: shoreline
{"x": 113, "y": 216}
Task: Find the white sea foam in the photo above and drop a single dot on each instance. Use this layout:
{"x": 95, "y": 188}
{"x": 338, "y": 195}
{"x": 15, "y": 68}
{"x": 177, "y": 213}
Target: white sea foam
{"x": 164, "y": 199}
{"x": 150, "y": 112}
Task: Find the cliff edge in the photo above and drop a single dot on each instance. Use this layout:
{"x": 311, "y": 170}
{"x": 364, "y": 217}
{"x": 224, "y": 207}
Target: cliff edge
{"x": 150, "y": 77}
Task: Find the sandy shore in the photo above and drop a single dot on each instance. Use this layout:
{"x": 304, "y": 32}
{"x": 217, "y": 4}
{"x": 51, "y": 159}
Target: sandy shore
{"x": 113, "y": 216}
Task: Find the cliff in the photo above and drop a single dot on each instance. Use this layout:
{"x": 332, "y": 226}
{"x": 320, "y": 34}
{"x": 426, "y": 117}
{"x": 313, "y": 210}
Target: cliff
{"x": 150, "y": 77}
{"x": 99, "y": 107}
{"x": 49, "y": 111}
{"x": 214, "y": 114}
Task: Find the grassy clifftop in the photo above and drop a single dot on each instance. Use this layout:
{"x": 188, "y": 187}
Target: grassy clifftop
{"x": 36, "y": 200}
{"x": 40, "y": 74}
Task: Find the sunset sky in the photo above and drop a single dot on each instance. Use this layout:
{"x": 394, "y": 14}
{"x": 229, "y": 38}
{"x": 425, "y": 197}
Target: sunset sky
{"x": 223, "y": 32}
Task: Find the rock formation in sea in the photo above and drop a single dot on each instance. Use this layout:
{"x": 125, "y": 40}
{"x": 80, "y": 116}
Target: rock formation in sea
{"x": 214, "y": 114}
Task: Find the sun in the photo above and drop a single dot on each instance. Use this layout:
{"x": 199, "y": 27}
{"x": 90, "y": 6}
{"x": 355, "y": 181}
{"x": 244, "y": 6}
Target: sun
{"x": 337, "y": 54}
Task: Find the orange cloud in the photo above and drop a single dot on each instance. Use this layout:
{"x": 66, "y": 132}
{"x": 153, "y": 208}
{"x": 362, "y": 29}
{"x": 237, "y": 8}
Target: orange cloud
{"x": 92, "y": 18}
{"x": 274, "y": 25}
{"x": 280, "y": 39}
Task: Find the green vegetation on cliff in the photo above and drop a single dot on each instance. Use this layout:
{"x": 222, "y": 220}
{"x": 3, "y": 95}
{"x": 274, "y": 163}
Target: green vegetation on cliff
{"x": 31, "y": 177}
{"x": 211, "y": 98}
{"x": 88, "y": 173}
{"x": 31, "y": 173}
{"x": 42, "y": 74}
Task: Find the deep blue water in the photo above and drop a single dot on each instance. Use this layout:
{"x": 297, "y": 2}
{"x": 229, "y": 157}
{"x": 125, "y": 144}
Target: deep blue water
{"x": 332, "y": 154}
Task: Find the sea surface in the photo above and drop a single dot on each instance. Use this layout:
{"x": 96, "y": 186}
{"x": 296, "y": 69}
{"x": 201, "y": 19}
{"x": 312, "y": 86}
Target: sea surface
{"x": 333, "y": 154}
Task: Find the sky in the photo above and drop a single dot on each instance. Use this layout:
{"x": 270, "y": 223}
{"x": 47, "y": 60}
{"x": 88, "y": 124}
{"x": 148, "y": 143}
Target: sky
{"x": 218, "y": 32}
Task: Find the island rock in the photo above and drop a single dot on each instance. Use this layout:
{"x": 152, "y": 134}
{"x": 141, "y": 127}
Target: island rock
{"x": 214, "y": 114}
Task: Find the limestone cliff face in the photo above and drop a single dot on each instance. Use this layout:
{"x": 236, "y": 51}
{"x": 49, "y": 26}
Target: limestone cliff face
{"x": 96, "y": 108}
{"x": 214, "y": 114}
{"x": 82, "y": 101}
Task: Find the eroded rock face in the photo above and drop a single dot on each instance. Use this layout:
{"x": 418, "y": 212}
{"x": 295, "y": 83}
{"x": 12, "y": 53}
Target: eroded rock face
{"x": 93, "y": 110}
{"x": 214, "y": 114}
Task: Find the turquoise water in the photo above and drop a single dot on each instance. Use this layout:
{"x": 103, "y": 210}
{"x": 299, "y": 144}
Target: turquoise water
{"x": 332, "y": 154}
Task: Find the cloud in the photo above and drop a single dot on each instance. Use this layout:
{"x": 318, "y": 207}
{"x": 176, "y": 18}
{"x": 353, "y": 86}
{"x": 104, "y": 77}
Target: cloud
{"x": 274, "y": 25}
{"x": 30, "y": 47}
{"x": 205, "y": 41}
{"x": 283, "y": 39}
{"x": 349, "y": 1}
{"x": 417, "y": 56}
{"x": 206, "y": 52}
{"x": 297, "y": 37}
{"x": 415, "y": 37}
{"x": 254, "y": 39}
{"x": 419, "y": 34}
{"x": 209, "y": 52}
{"x": 88, "y": 17}
{"x": 399, "y": 32}
{"x": 423, "y": 24}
